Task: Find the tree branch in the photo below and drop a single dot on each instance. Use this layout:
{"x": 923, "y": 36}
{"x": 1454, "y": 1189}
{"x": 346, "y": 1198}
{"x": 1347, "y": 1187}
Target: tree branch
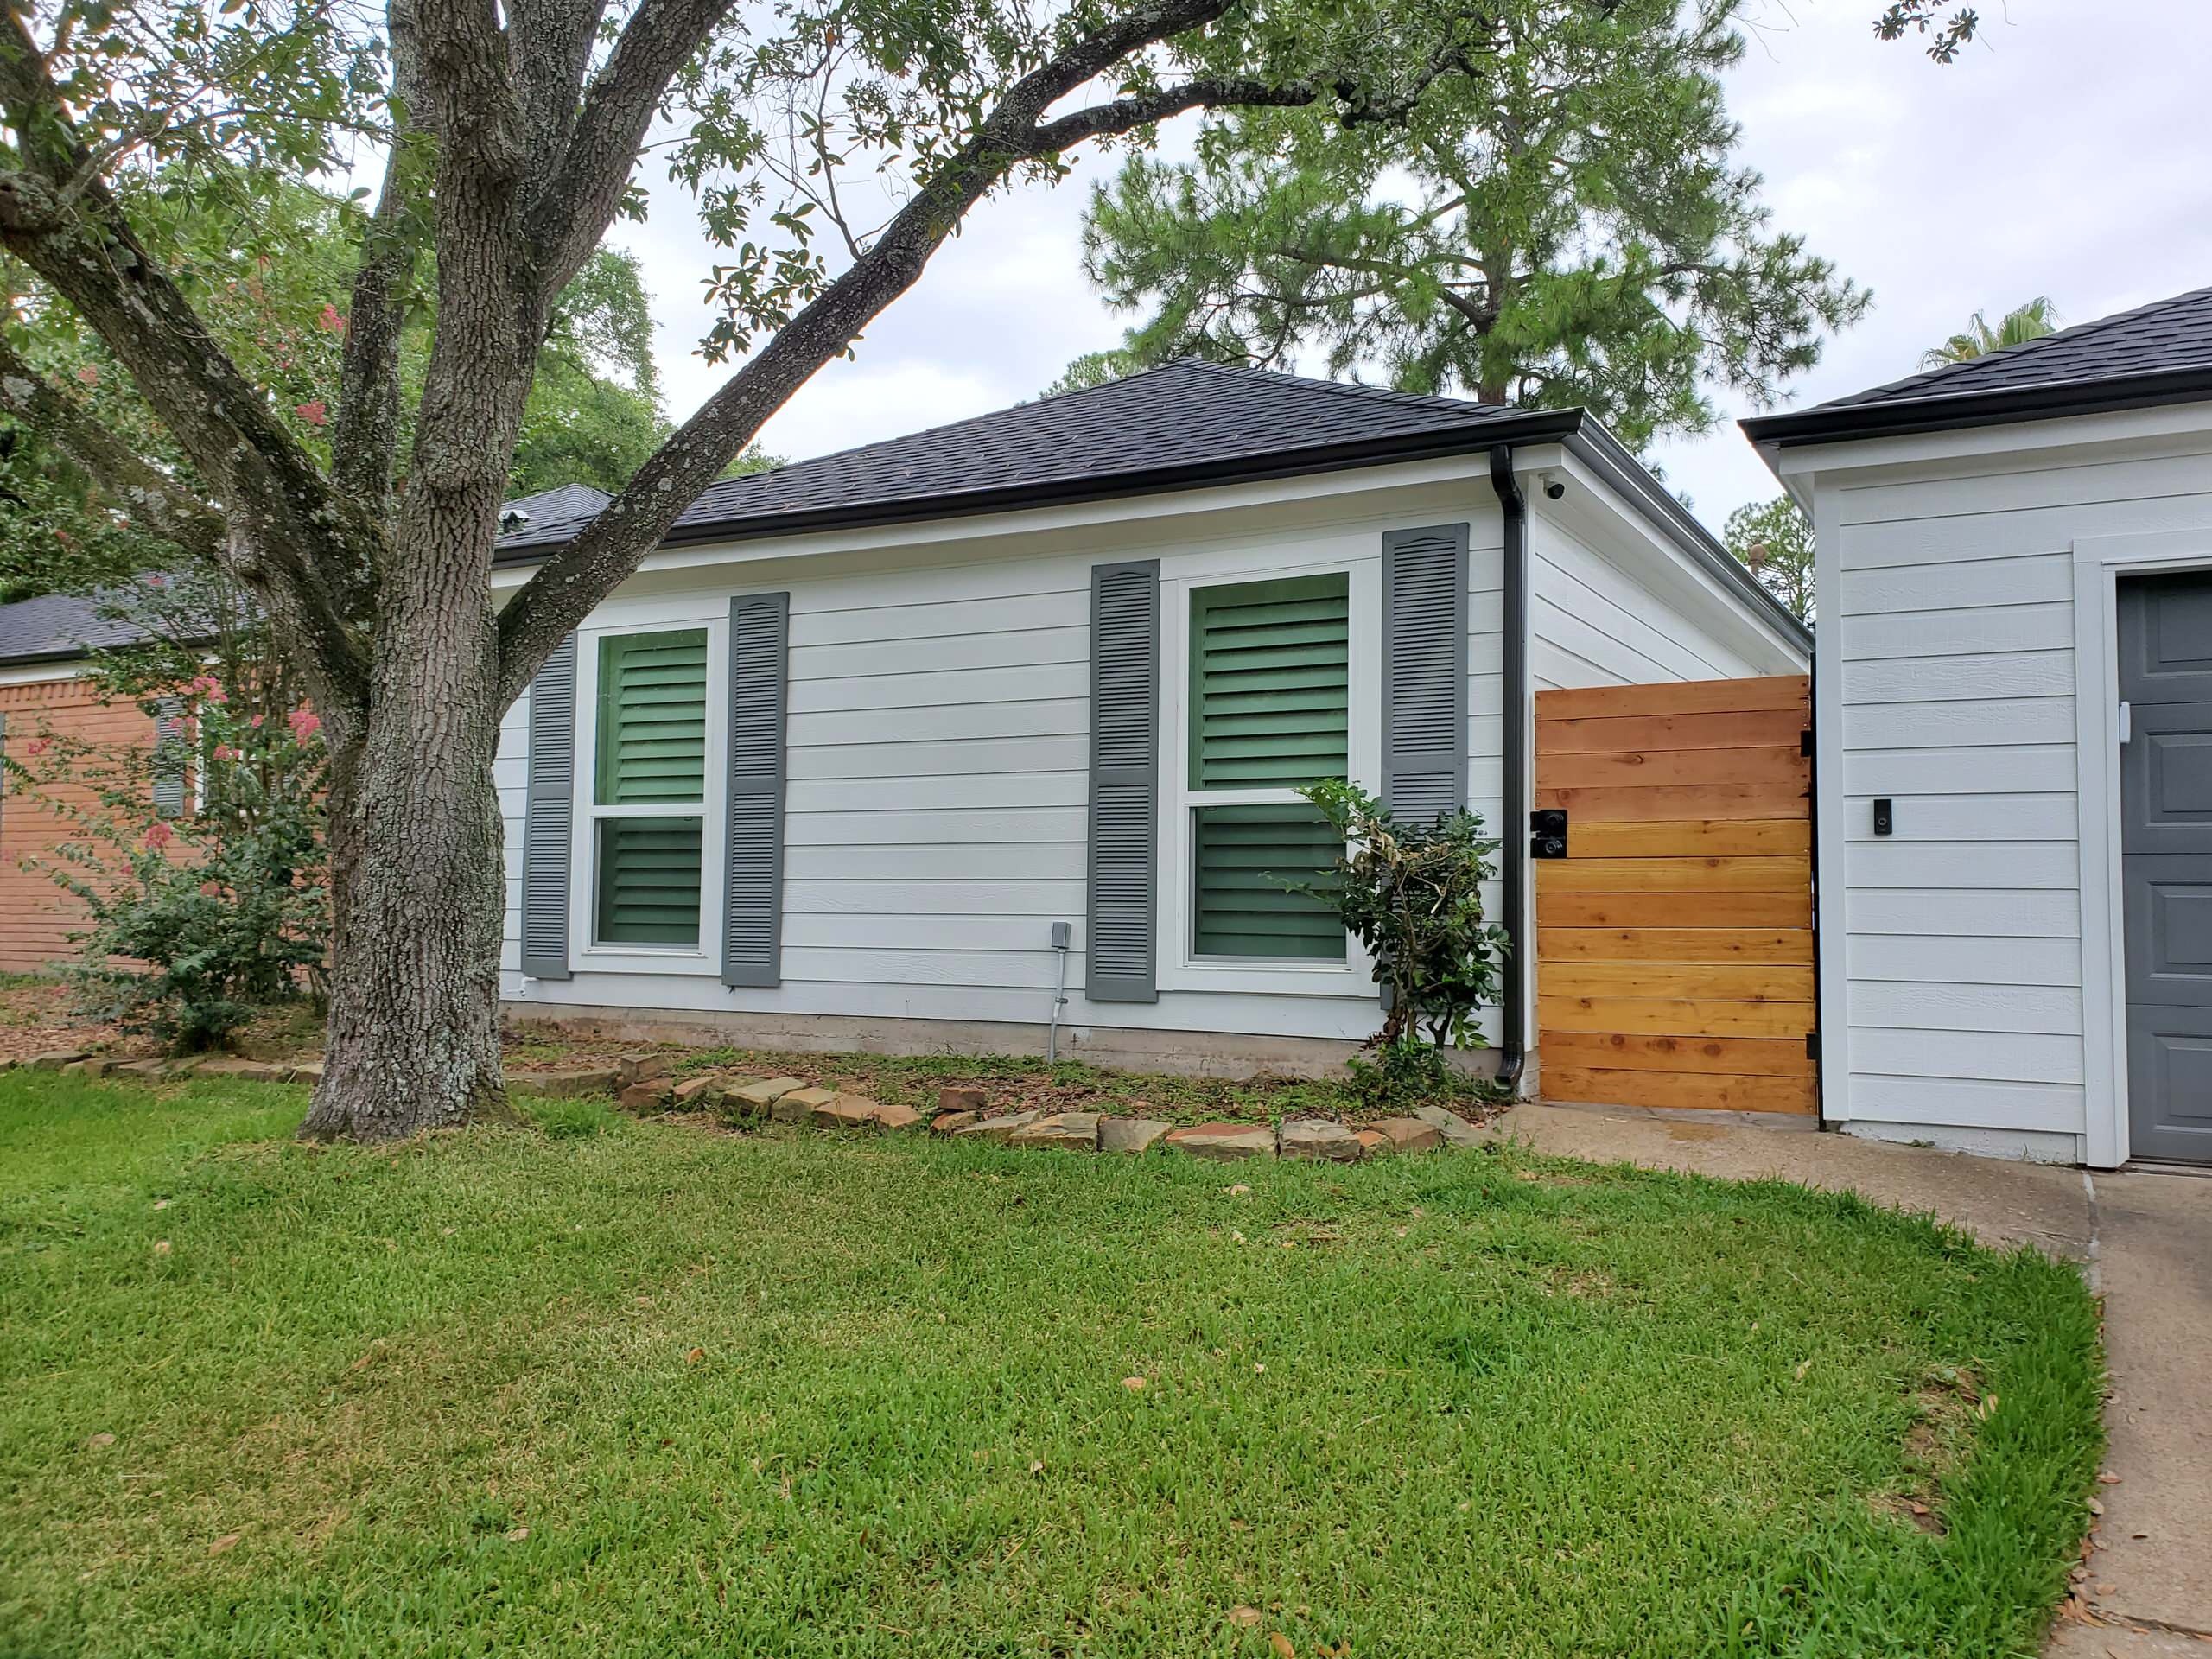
{"x": 299, "y": 546}
{"x": 365, "y": 433}
{"x": 576, "y": 203}
{"x": 576, "y": 577}
{"x": 156, "y": 500}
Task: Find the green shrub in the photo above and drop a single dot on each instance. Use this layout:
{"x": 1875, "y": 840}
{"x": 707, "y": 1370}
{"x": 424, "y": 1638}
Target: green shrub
{"x": 1412, "y": 895}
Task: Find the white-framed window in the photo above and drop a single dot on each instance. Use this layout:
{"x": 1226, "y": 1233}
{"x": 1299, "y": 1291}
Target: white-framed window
{"x": 646, "y": 864}
{"x": 1267, "y": 685}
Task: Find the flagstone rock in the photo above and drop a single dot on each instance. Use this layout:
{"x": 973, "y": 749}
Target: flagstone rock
{"x": 1410, "y": 1134}
{"x": 961, "y": 1100}
{"x": 799, "y": 1105}
{"x": 759, "y": 1095}
{"x": 307, "y": 1072}
{"x": 891, "y": 1114}
{"x": 1129, "y": 1134}
{"x": 998, "y": 1128}
{"x": 574, "y": 1082}
{"x": 55, "y": 1060}
{"x": 698, "y": 1094}
{"x": 643, "y": 1067}
{"x": 951, "y": 1122}
{"x": 1458, "y": 1132}
{"x": 1226, "y": 1143}
{"x": 1077, "y": 1131}
{"x": 647, "y": 1097}
{"x": 1319, "y": 1140}
{"x": 92, "y": 1067}
{"x": 845, "y": 1112}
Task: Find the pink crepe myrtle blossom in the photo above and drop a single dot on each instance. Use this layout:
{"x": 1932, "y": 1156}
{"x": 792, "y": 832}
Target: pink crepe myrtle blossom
{"x": 304, "y": 722}
{"x": 38, "y": 746}
{"x": 159, "y": 835}
{"x": 255, "y": 723}
{"x": 225, "y": 752}
{"x": 207, "y": 686}
{"x": 330, "y": 322}
{"x": 89, "y": 374}
{"x": 314, "y": 412}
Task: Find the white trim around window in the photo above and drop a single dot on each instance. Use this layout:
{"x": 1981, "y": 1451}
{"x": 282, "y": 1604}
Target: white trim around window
{"x": 586, "y": 954}
{"x": 1180, "y": 969}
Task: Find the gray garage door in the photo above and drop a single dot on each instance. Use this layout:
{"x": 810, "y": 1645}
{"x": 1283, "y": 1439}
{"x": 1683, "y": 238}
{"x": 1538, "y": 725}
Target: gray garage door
{"x": 2166, "y": 677}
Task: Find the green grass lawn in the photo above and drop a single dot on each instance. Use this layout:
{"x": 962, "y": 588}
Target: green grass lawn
{"x": 650, "y": 1389}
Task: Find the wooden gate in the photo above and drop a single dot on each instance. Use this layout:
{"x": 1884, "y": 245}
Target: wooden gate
{"x": 1675, "y": 938}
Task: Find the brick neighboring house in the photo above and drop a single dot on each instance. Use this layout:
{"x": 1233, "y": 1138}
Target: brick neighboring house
{"x": 43, "y": 645}
{"x": 42, "y": 688}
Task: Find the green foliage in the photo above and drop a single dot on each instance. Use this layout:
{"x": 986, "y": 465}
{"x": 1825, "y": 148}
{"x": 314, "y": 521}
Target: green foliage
{"x": 195, "y": 919}
{"x": 1571, "y": 229}
{"x": 1412, "y": 895}
{"x": 570, "y": 1118}
{"x": 675, "y": 1392}
{"x": 272, "y": 275}
{"x": 1775, "y": 542}
{"x": 1944, "y": 36}
{"x": 2017, "y": 326}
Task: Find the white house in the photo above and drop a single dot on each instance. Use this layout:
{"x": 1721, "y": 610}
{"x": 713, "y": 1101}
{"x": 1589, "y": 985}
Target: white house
{"x": 2014, "y": 751}
{"x": 832, "y": 768}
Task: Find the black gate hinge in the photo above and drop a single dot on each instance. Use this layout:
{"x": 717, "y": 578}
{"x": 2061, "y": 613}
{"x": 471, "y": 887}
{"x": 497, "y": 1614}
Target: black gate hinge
{"x": 1805, "y": 742}
{"x": 1547, "y": 832}
{"x": 1811, "y": 1045}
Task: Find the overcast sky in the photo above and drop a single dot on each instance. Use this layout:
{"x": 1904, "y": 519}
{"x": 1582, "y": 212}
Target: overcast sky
{"x": 2070, "y": 153}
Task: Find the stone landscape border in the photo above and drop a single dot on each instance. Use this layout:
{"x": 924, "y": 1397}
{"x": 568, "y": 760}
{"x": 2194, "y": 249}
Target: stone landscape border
{"x": 641, "y": 1083}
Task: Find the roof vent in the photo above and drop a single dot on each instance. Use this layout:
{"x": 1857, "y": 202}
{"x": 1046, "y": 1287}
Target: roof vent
{"x": 512, "y": 520}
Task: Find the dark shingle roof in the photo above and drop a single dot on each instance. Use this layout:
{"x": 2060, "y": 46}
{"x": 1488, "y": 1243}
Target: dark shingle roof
{"x": 551, "y": 516}
{"x": 1185, "y": 422}
{"x": 2160, "y": 352}
{"x": 56, "y": 627}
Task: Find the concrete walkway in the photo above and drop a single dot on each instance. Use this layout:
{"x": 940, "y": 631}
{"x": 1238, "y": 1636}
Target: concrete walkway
{"x": 2144, "y": 1241}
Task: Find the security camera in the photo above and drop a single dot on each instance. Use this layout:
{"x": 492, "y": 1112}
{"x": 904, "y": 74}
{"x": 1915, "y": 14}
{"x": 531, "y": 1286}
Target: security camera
{"x": 1554, "y": 486}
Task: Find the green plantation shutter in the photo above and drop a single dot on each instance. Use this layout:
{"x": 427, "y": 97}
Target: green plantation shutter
{"x": 1270, "y": 669}
{"x": 652, "y": 752}
{"x": 649, "y": 880}
{"x": 547, "y": 823}
{"x": 653, "y": 718}
{"x": 1242, "y": 908}
{"x": 1270, "y": 679}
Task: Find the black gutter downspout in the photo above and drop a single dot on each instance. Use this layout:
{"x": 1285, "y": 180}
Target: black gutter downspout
{"x": 1512, "y": 1053}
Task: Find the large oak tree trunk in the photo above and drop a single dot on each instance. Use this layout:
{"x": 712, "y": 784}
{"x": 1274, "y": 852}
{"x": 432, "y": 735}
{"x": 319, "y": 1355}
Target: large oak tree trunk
{"x": 418, "y": 888}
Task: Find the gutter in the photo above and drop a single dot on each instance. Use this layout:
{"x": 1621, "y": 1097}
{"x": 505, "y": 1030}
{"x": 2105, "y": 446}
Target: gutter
{"x": 1513, "y": 834}
{"x": 1952, "y": 412}
{"x": 1534, "y": 426}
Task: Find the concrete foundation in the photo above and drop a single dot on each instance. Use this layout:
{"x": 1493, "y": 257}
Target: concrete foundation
{"x": 1186, "y": 1053}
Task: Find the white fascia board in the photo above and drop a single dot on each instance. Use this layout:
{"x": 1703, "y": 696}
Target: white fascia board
{"x": 1595, "y": 512}
{"x": 2176, "y": 428}
{"x": 40, "y": 673}
{"x": 1112, "y": 524}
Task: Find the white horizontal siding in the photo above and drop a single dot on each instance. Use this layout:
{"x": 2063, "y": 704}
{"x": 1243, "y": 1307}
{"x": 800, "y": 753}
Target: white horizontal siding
{"x": 937, "y": 811}
{"x": 1955, "y": 621}
{"x": 1591, "y": 623}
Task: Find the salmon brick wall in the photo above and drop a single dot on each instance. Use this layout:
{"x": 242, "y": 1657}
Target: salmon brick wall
{"x": 36, "y": 916}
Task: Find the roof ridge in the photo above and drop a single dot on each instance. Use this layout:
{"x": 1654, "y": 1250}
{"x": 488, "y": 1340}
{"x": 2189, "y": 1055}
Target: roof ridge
{"x": 1355, "y": 388}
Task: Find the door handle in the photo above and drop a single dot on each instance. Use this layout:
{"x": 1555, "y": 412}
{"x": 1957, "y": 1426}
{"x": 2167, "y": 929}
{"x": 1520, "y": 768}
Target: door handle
{"x": 2126, "y": 722}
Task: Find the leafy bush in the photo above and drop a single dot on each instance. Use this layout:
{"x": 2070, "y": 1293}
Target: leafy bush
{"x": 215, "y": 903}
{"x": 1413, "y": 896}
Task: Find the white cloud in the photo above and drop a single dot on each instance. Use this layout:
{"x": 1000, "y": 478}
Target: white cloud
{"x": 2069, "y": 154}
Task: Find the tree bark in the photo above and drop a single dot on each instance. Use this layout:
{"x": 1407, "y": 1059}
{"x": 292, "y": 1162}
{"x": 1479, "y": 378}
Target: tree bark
{"x": 418, "y": 888}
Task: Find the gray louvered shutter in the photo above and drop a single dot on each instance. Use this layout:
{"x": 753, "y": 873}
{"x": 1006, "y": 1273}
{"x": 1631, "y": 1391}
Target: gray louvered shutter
{"x": 1124, "y": 782}
{"x": 1425, "y": 673}
{"x": 548, "y": 823}
{"x": 169, "y": 758}
{"x": 752, "y": 881}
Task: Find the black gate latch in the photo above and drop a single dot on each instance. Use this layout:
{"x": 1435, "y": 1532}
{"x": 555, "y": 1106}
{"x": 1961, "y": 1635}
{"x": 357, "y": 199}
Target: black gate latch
{"x": 1547, "y": 833}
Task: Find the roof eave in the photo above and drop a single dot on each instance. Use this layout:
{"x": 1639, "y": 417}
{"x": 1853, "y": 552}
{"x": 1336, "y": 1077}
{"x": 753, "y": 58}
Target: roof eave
{"x": 1533, "y": 426}
{"x": 2052, "y": 400}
